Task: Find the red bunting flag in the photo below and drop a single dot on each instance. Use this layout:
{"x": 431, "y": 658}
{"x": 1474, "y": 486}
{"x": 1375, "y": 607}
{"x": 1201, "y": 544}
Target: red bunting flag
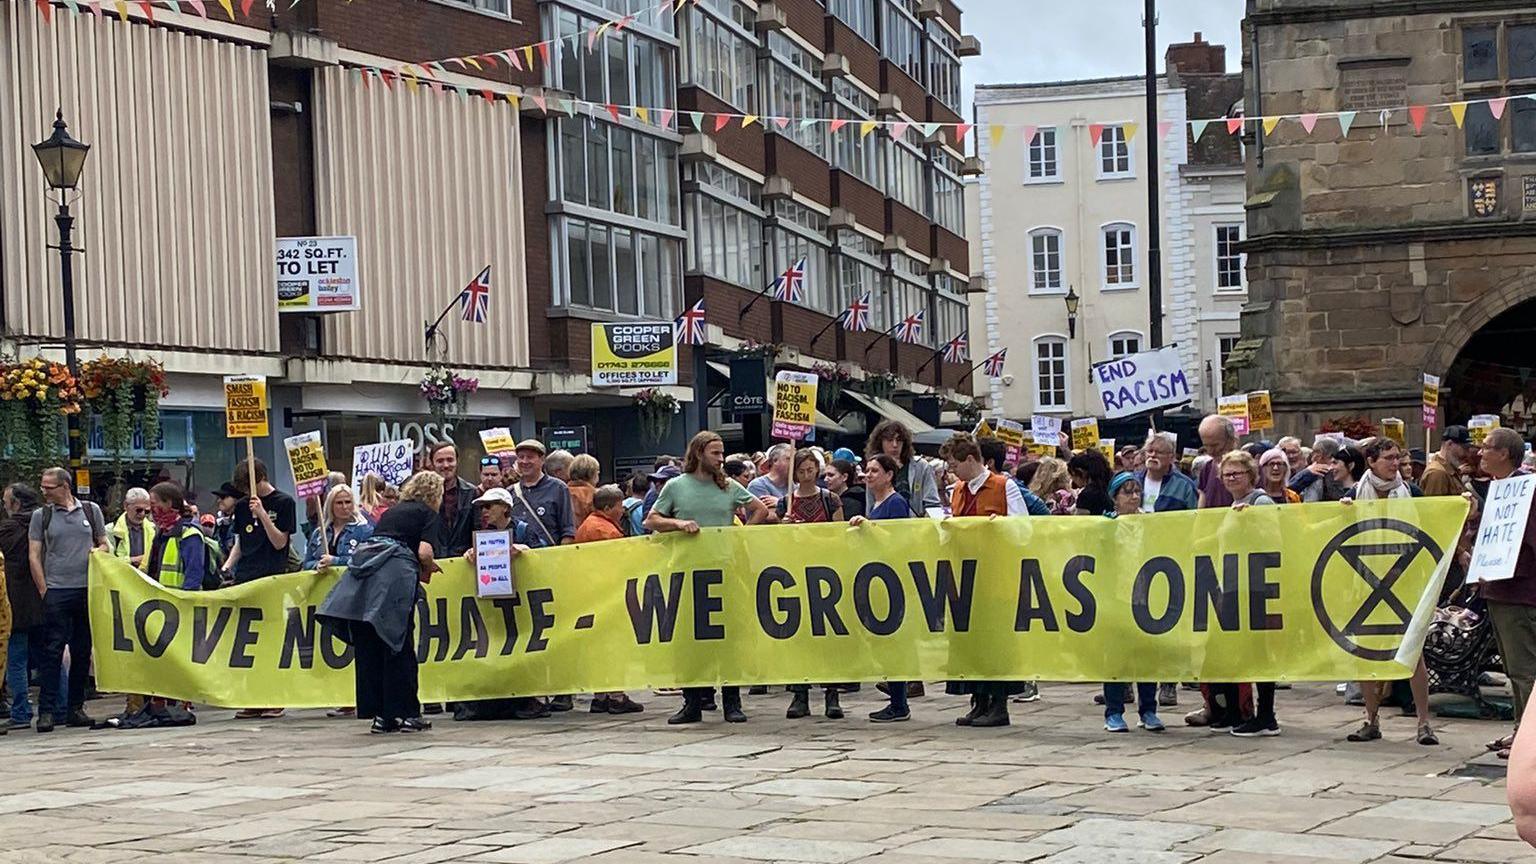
{"x": 781, "y": 122}
{"x": 245, "y": 8}
{"x": 1417, "y": 113}
{"x": 1234, "y": 125}
{"x": 385, "y": 75}
{"x": 364, "y": 73}
{"x": 721, "y": 120}
{"x": 1309, "y": 122}
{"x": 544, "y": 52}
{"x": 962, "y": 130}
{"x": 487, "y": 95}
{"x": 46, "y": 7}
{"x": 613, "y": 111}
{"x": 149, "y": 11}
{"x": 836, "y": 124}
{"x": 1031, "y": 131}
{"x": 490, "y": 59}
{"x": 1095, "y": 133}
{"x": 1497, "y": 107}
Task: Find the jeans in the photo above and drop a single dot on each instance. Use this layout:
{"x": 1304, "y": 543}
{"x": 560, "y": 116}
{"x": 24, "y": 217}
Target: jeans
{"x": 18, "y": 655}
{"x": 66, "y": 622}
{"x": 898, "y": 696}
{"x": 1114, "y": 699}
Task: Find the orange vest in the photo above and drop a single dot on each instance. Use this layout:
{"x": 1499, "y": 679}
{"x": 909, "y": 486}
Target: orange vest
{"x": 992, "y": 499}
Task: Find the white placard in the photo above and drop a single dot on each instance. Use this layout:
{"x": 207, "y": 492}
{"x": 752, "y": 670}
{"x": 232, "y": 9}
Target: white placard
{"x": 1141, "y": 382}
{"x": 391, "y": 460}
{"x": 493, "y": 564}
{"x": 1502, "y": 531}
{"x": 1047, "y": 430}
{"x": 317, "y": 274}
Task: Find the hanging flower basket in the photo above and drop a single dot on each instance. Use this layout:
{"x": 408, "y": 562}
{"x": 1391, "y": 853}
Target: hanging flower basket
{"x": 834, "y": 380}
{"x": 36, "y": 396}
{"x": 126, "y": 394}
{"x": 767, "y": 350}
{"x": 970, "y": 412}
{"x": 880, "y": 385}
{"x": 657, "y": 410}
{"x": 447, "y": 393}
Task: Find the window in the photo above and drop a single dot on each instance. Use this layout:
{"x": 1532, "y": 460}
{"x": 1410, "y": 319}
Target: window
{"x": 1229, "y": 261}
{"x": 794, "y": 90}
{"x": 495, "y": 7}
{"x": 617, "y": 269}
{"x": 1124, "y": 344}
{"x": 1483, "y": 133}
{"x": 907, "y": 293}
{"x": 725, "y": 226}
{"x": 721, "y": 55}
{"x": 949, "y": 317}
{"x": 948, "y": 192}
{"x": 859, "y": 272}
{"x": 1480, "y": 54}
{"x": 1042, "y": 155}
{"x": 1522, "y": 125}
{"x": 1115, "y": 153}
{"x": 1050, "y": 373}
{"x": 1119, "y": 256}
{"x": 906, "y": 172}
{"x": 863, "y": 157}
{"x": 1044, "y": 261}
{"x": 799, "y": 232}
{"x": 859, "y": 15}
{"x": 943, "y": 79}
{"x": 1224, "y": 346}
{"x": 902, "y": 37}
{"x": 1522, "y": 50}
{"x": 608, "y": 167}
{"x": 627, "y": 69}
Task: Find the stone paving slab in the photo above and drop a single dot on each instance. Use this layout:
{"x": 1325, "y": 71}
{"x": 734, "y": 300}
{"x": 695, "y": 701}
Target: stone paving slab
{"x": 1052, "y": 788}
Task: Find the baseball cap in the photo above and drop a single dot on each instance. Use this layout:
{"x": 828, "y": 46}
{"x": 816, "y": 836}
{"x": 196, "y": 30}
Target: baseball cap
{"x": 666, "y": 472}
{"x": 495, "y": 495}
{"x": 1458, "y": 435}
{"x": 533, "y": 444}
{"x": 1416, "y": 456}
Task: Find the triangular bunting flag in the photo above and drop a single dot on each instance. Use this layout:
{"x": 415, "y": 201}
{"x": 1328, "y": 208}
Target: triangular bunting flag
{"x": 528, "y": 55}
{"x": 1416, "y": 114}
{"x": 899, "y": 128}
{"x": 1129, "y": 130}
{"x": 73, "y": 6}
{"x": 490, "y": 59}
{"x": 410, "y": 84}
{"x": 540, "y": 101}
{"x": 1029, "y": 135}
{"x": 1234, "y": 125}
{"x": 487, "y": 95}
{"x": 364, "y": 74}
{"x": 666, "y": 118}
{"x": 543, "y": 54}
{"x": 1459, "y": 113}
{"x": 836, "y": 124}
{"x": 122, "y": 8}
{"x": 475, "y": 63}
{"x": 929, "y": 129}
{"x": 457, "y": 62}
{"x": 95, "y": 6}
{"x": 1095, "y": 133}
{"x": 1269, "y": 124}
{"x": 1346, "y": 120}
{"x": 1309, "y": 122}
{"x": 245, "y": 8}
{"x": 781, "y": 122}
{"x": 698, "y": 119}
{"x": 511, "y": 58}
{"x": 45, "y": 7}
{"x": 197, "y": 6}
{"x": 996, "y": 132}
{"x": 962, "y": 130}
{"x": 1497, "y": 106}
{"x": 721, "y": 120}
{"x": 515, "y": 100}
{"x": 643, "y": 113}
{"x": 867, "y": 127}
{"x": 1163, "y": 129}
{"x": 808, "y": 122}
{"x": 613, "y": 111}
{"x": 1197, "y": 128}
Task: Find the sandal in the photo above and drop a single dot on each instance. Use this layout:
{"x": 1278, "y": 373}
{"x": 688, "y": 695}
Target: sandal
{"x": 1504, "y": 743}
{"x": 1427, "y": 736}
{"x": 1504, "y": 754}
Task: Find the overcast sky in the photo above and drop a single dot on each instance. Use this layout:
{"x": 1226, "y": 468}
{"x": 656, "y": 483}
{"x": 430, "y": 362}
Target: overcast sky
{"x": 1055, "y": 40}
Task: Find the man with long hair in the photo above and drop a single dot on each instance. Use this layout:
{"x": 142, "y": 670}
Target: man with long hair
{"x": 703, "y": 497}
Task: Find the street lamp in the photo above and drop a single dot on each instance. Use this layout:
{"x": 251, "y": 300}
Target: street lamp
{"x": 63, "y": 160}
{"x": 1072, "y": 301}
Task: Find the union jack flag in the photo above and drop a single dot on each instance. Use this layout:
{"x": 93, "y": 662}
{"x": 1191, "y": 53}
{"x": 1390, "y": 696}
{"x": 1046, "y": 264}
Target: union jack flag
{"x": 688, "y": 328}
{"x": 954, "y": 350}
{"x": 910, "y": 330}
{"x": 790, "y": 286}
{"x": 994, "y": 364}
{"x": 855, "y": 319}
{"x": 475, "y": 299}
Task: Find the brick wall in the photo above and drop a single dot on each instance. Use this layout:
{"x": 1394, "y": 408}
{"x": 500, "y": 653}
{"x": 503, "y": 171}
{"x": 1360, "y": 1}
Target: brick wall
{"x": 807, "y": 171}
{"x": 865, "y": 201}
{"x": 863, "y": 58}
{"x": 910, "y": 224}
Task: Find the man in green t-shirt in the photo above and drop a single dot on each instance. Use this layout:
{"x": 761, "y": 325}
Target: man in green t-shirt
{"x": 703, "y": 497}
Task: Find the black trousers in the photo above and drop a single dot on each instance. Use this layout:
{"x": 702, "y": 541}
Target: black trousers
{"x": 697, "y": 695}
{"x": 1264, "y": 709}
{"x": 66, "y": 622}
{"x": 386, "y": 679}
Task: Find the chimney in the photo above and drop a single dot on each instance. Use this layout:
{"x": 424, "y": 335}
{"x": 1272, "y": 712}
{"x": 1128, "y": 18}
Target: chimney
{"x": 1196, "y": 58}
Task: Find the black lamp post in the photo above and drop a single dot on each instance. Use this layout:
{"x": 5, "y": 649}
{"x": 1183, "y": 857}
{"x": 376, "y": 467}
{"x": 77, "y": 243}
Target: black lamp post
{"x": 63, "y": 160}
{"x": 1072, "y": 302}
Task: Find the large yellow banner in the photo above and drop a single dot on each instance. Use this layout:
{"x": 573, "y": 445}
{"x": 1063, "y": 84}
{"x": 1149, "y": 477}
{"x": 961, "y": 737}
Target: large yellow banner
{"x": 1291, "y": 593}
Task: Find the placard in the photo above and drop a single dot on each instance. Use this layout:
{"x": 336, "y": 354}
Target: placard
{"x": 317, "y": 274}
{"x": 633, "y": 354}
{"x": 306, "y": 458}
{"x": 1392, "y": 427}
{"x": 571, "y": 439}
{"x": 497, "y": 441}
{"x": 1261, "y": 413}
{"x": 245, "y": 406}
{"x": 1502, "y": 531}
{"x": 1141, "y": 382}
{"x": 1430, "y": 418}
{"x": 493, "y": 564}
{"x": 392, "y": 461}
{"x": 1235, "y": 408}
{"x": 1085, "y": 433}
{"x": 794, "y": 404}
{"x": 1431, "y": 390}
{"x": 1046, "y": 430}
{"x": 983, "y": 430}
{"x": 1479, "y": 425}
{"x": 1107, "y": 447}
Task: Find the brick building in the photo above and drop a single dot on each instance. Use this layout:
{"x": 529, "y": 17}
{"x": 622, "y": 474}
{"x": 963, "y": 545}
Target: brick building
{"x": 265, "y": 127}
{"x": 1388, "y": 252}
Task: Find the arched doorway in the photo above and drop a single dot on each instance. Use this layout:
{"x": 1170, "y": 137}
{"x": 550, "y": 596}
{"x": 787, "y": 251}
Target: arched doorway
{"x": 1495, "y": 372}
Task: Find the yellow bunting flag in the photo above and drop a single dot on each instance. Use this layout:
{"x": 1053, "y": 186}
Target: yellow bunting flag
{"x": 866, "y": 127}
{"x": 1270, "y": 123}
{"x": 748, "y": 120}
{"x": 1459, "y": 113}
{"x": 1129, "y": 131}
{"x": 516, "y": 102}
{"x": 229, "y": 8}
{"x": 643, "y": 113}
{"x": 997, "y": 132}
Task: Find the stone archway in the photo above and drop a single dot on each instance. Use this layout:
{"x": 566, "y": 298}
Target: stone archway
{"x": 1492, "y": 368}
{"x": 1473, "y": 317}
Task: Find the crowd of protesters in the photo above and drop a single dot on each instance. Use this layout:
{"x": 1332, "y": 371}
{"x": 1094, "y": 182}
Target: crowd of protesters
{"x": 385, "y": 541}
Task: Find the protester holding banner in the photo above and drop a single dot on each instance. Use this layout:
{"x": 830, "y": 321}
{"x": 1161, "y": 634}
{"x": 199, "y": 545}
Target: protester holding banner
{"x": 264, "y": 520}
{"x": 914, "y": 477}
{"x": 582, "y": 484}
{"x": 542, "y": 499}
{"x": 703, "y": 497}
{"x": 176, "y": 557}
{"x": 1274, "y": 472}
{"x": 373, "y": 606}
{"x": 880, "y": 473}
{"x": 603, "y": 524}
{"x": 131, "y": 533}
{"x": 342, "y": 529}
{"x": 1125, "y": 491}
{"x": 1382, "y": 478}
{"x": 458, "y": 517}
{"x": 1512, "y": 602}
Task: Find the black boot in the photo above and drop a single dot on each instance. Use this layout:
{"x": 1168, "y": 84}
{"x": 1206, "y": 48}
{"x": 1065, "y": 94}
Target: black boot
{"x": 979, "y": 704}
{"x": 799, "y": 705}
{"x": 689, "y": 713}
{"x": 834, "y": 708}
{"x": 995, "y": 715}
{"x": 731, "y": 701}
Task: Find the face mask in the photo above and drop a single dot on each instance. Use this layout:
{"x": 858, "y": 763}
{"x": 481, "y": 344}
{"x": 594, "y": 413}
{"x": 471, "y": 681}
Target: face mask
{"x": 164, "y": 517}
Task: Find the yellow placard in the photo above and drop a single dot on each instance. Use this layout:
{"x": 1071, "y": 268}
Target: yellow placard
{"x": 982, "y": 430}
{"x": 794, "y": 404}
{"x": 1107, "y": 447}
{"x": 306, "y": 459}
{"x": 1392, "y": 427}
{"x": 1085, "y": 433}
{"x": 245, "y": 406}
{"x": 1478, "y": 427}
{"x": 1266, "y": 594}
{"x": 497, "y": 441}
{"x": 1431, "y": 390}
{"x": 1012, "y": 433}
{"x": 1261, "y": 414}
{"x": 1235, "y": 408}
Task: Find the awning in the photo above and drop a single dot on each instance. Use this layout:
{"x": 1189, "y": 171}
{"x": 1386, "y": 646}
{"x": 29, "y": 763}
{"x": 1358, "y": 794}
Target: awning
{"x": 822, "y": 421}
{"x": 890, "y": 411}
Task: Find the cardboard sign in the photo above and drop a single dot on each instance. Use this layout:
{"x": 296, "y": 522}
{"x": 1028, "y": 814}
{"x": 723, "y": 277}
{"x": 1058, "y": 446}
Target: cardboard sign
{"x": 982, "y": 430}
{"x": 245, "y": 406}
{"x": 493, "y": 564}
{"x": 1035, "y": 447}
{"x": 794, "y": 404}
{"x": 1261, "y": 414}
{"x": 1431, "y": 417}
{"x": 1085, "y": 433}
{"x": 1502, "y": 531}
{"x": 1046, "y": 430}
{"x": 391, "y": 461}
{"x": 1141, "y": 382}
{"x": 1431, "y": 390}
{"x": 1107, "y": 447}
{"x": 1478, "y": 427}
{"x": 1191, "y": 452}
{"x": 306, "y": 457}
{"x": 498, "y": 441}
{"x": 1011, "y": 433}
{"x": 1392, "y": 427}
{"x": 316, "y": 274}
{"x": 1235, "y": 408}
{"x": 633, "y": 354}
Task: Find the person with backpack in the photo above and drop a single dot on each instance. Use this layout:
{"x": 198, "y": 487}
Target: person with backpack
{"x": 60, "y": 539}
{"x": 634, "y": 504}
{"x": 808, "y": 503}
{"x": 178, "y": 554}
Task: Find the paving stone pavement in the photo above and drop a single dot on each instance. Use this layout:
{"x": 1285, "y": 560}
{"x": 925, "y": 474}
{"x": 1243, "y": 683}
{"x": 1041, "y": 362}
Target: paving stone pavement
{"x": 1053, "y": 788}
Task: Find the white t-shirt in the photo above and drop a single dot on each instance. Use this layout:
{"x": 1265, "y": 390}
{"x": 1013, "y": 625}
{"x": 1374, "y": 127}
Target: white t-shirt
{"x": 1149, "y": 490}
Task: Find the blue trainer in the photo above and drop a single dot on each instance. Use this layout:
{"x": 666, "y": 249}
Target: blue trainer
{"x": 1150, "y": 722}
{"x": 1115, "y": 723}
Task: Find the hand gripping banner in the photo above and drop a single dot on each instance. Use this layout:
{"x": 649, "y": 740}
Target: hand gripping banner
{"x": 1324, "y": 592}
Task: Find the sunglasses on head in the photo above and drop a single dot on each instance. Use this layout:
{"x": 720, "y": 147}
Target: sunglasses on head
{"x": 490, "y": 460}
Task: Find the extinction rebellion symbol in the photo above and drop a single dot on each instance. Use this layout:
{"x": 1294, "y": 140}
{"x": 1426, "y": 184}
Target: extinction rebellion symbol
{"x": 1379, "y": 559}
